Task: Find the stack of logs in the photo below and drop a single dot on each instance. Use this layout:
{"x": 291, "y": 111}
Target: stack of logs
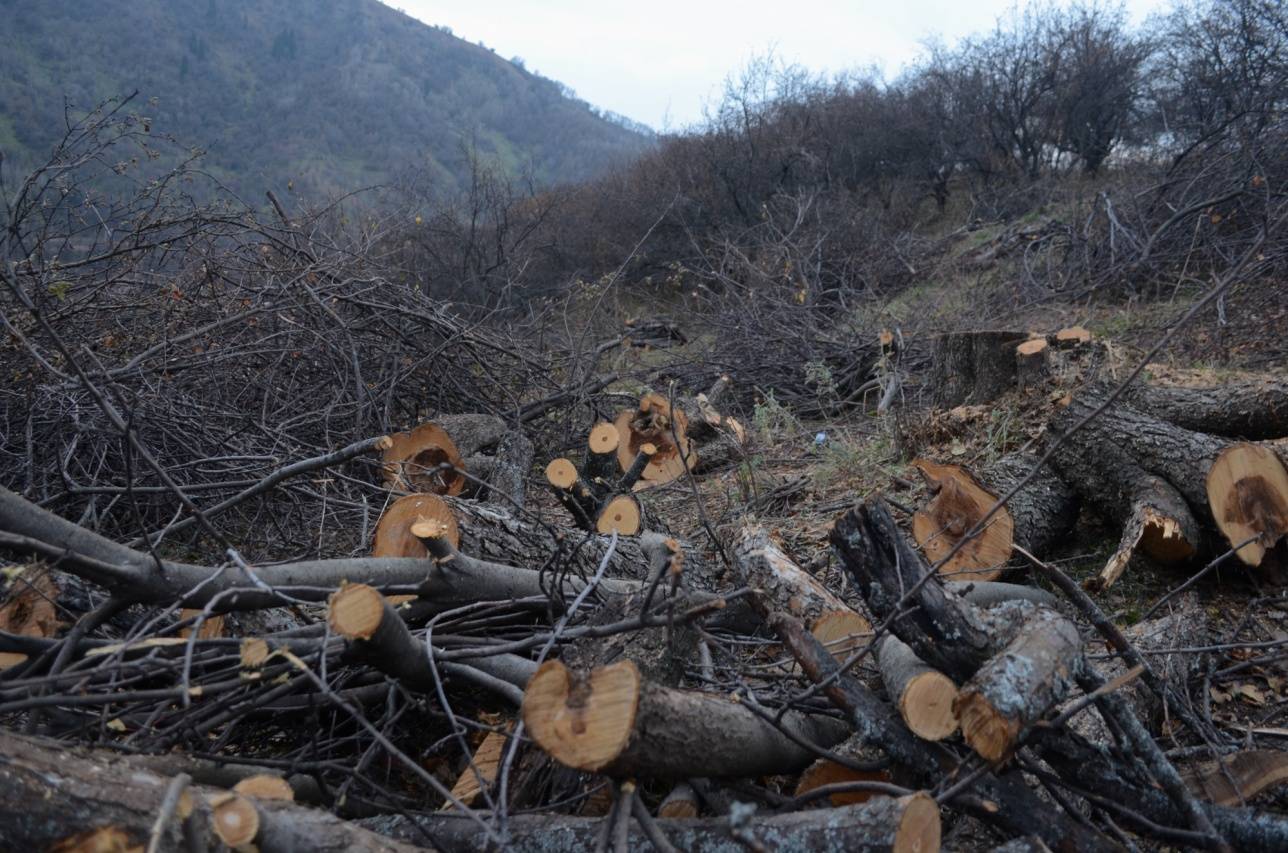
{"x": 609, "y": 656}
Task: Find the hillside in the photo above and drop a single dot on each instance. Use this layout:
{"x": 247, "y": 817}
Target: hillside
{"x": 331, "y": 96}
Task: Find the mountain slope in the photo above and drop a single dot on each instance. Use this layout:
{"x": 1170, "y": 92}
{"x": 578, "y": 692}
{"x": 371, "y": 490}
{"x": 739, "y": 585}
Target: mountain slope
{"x": 331, "y": 95}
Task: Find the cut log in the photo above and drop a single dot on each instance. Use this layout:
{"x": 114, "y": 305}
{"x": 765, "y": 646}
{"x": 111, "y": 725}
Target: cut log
{"x": 602, "y": 469}
{"x": 1035, "y": 518}
{"x": 416, "y": 460}
{"x": 1032, "y": 367}
{"x": 1252, "y": 408}
{"x": 1235, "y": 779}
{"x": 908, "y": 824}
{"x": 234, "y": 819}
{"x": 1247, "y": 489}
{"x": 615, "y": 723}
{"x": 973, "y": 367}
{"x": 572, "y": 491}
{"x": 682, "y": 801}
{"x": 923, "y": 695}
{"x": 786, "y": 587}
{"x": 50, "y": 791}
{"x": 265, "y": 787}
{"x": 621, "y": 514}
{"x": 824, "y": 771}
{"x": 393, "y": 537}
{"x": 633, "y": 474}
{"x": 654, "y": 422}
{"x": 1017, "y": 687}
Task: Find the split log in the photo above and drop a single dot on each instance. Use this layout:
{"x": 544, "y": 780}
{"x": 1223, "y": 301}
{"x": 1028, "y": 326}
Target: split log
{"x": 29, "y": 609}
{"x": 1252, "y": 408}
{"x": 613, "y": 722}
{"x": 924, "y": 696}
{"x": 973, "y": 367}
{"x": 1017, "y": 687}
{"x": 908, "y": 824}
{"x": 655, "y": 422}
{"x": 481, "y": 772}
{"x": 1035, "y": 518}
{"x": 50, "y": 791}
{"x": 1234, "y": 779}
{"x": 783, "y": 586}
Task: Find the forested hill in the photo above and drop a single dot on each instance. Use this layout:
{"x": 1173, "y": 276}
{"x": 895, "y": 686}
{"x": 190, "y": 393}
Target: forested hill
{"x": 330, "y": 94}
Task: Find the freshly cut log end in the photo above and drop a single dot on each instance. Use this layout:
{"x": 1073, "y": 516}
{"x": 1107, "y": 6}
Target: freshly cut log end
{"x": 254, "y": 652}
{"x": 1072, "y": 336}
{"x": 105, "y": 839}
{"x": 985, "y": 729}
{"x": 919, "y": 829}
{"x": 355, "y": 611}
{"x": 394, "y": 537}
{"x": 265, "y": 787}
{"x": 582, "y": 722}
{"x": 414, "y": 462}
{"x": 923, "y": 695}
{"x": 1017, "y": 686}
{"x": 604, "y": 438}
{"x": 681, "y": 802}
{"x": 1165, "y": 538}
{"x": 656, "y": 423}
{"x": 842, "y": 632}
{"x": 1031, "y": 347}
{"x": 1031, "y": 363}
{"x": 1247, "y": 489}
{"x": 960, "y": 502}
{"x": 827, "y": 772}
{"x": 561, "y": 473}
{"x": 621, "y": 514}
{"x": 235, "y": 820}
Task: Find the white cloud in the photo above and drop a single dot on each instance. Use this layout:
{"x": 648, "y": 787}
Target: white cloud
{"x": 659, "y": 62}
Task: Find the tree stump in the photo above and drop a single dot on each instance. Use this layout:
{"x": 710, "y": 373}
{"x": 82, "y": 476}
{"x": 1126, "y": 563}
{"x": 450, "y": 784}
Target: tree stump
{"x": 973, "y": 367}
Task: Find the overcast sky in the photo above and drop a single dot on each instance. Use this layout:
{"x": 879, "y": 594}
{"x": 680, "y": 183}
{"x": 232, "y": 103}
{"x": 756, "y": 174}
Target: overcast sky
{"x": 660, "y": 61}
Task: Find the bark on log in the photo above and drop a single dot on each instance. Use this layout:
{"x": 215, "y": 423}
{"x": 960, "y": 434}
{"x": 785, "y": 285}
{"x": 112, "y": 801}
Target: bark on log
{"x": 1010, "y": 804}
{"x": 507, "y": 481}
{"x": 614, "y": 722}
{"x": 784, "y": 586}
{"x": 50, "y": 791}
{"x": 1017, "y": 687}
{"x": 1032, "y": 363}
{"x": 910, "y": 824}
{"x": 1146, "y": 462}
{"x": 973, "y": 367}
{"x": 1251, "y": 408}
{"x": 1035, "y": 518}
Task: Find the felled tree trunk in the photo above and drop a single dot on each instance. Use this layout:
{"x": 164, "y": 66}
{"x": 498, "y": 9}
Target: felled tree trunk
{"x": 973, "y": 367}
{"x": 1038, "y": 516}
{"x": 614, "y": 722}
{"x": 908, "y": 824}
{"x": 923, "y": 695}
{"x": 52, "y": 792}
{"x": 1167, "y": 484}
{"x": 1251, "y": 408}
